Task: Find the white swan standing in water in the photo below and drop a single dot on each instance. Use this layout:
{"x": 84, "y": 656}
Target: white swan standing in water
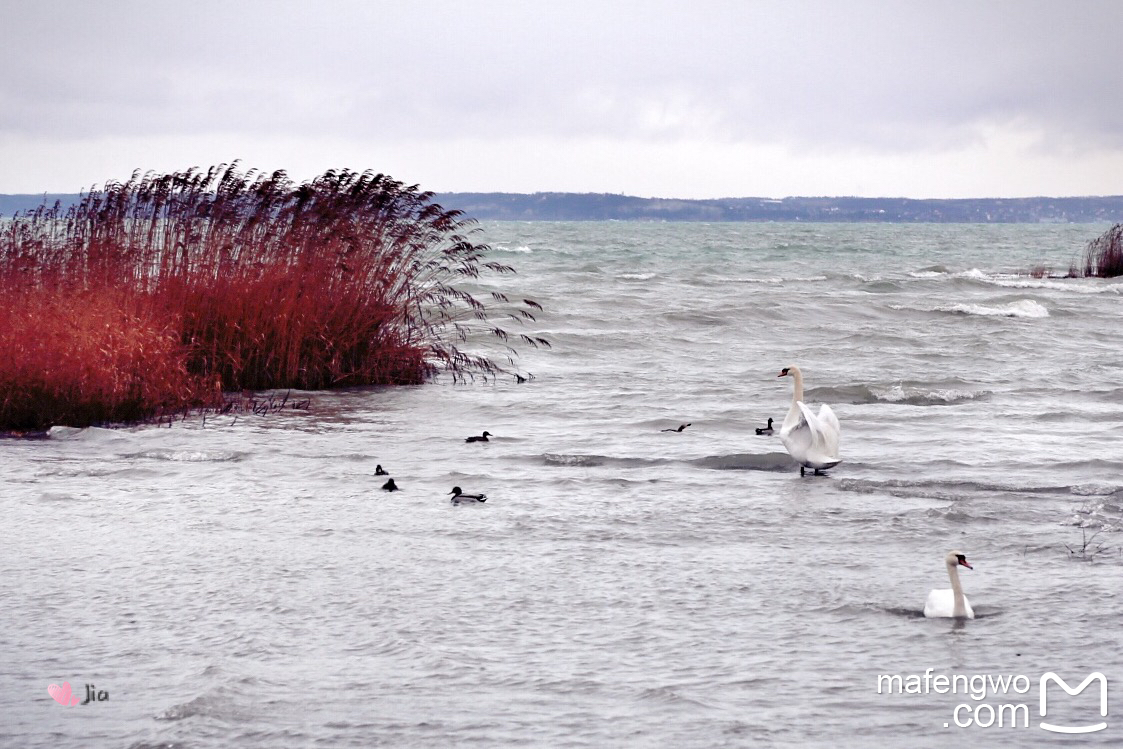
{"x": 812, "y": 440}
{"x": 950, "y": 603}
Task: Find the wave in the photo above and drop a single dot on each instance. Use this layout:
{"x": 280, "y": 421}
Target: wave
{"x": 746, "y": 462}
{"x": 1026, "y": 308}
{"x": 1075, "y": 285}
{"x": 899, "y": 393}
{"x": 637, "y": 276}
{"x": 882, "y": 285}
{"x": 955, "y": 489}
{"x": 594, "y": 461}
{"x": 732, "y": 462}
{"x": 190, "y": 456}
{"x": 774, "y": 280}
{"x": 84, "y": 433}
{"x": 522, "y": 248}
{"x": 1095, "y": 490}
{"x": 932, "y": 271}
{"x": 58, "y": 497}
{"x": 668, "y": 696}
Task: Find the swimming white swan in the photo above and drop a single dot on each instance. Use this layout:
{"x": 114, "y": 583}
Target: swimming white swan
{"x": 950, "y": 603}
{"x": 812, "y": 440}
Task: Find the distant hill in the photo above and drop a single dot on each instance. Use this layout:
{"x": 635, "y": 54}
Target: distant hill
{"x": 553, "y": 206}
{"x": 9, "y": 204}
{"x": 564, "y": 206}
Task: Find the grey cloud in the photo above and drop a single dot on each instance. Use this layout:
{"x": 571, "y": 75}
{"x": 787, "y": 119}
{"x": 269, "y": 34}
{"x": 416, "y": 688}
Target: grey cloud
{"x": 877, "y": 75}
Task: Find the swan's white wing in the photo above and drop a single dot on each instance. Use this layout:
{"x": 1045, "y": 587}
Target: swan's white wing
{"x": 829, "y": 427}
{"x": 808, "y": 440}
{"x": 813, "y": 424}
{"x": 941, "y": 605}
{"x": 796, "y": 434}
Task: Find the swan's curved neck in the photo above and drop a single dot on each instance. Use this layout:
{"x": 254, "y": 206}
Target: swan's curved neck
{"x": 960, "y": 607}
{"x": 797, "y": 393}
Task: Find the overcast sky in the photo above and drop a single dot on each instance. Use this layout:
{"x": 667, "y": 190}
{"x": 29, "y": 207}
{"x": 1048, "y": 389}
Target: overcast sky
{"x": 687, "y": 98}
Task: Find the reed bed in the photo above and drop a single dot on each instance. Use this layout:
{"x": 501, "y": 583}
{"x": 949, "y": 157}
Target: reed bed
{"x": 90, "y": 357}
{"x": 161, "y": 292}
{"x": 1103, "y": 258}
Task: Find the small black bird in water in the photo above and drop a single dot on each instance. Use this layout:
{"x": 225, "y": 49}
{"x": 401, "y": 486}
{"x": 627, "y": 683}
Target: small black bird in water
{"x": 765, "y": 430}
{"x": 482, "y": 438}
{"x": 379, "y": 472}
{"x": 458, "y": 496}
{"x": 390, "y": 486}
{"x": 680, "y": 428}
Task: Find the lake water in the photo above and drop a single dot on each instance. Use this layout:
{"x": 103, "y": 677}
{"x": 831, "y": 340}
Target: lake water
{"x": 246, "y": 583}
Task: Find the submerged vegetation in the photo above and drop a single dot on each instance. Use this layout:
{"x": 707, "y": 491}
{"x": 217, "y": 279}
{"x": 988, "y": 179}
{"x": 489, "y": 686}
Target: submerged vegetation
{"x": 157, "y": 294}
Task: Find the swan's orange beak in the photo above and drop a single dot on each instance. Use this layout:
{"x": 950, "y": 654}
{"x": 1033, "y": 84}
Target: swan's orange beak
{"x": 963, "y": 561}
{"x": 784, "y": 373}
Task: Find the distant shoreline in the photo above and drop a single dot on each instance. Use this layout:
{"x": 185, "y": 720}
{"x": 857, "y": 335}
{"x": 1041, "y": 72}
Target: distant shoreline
{"x": 558, "y": 206}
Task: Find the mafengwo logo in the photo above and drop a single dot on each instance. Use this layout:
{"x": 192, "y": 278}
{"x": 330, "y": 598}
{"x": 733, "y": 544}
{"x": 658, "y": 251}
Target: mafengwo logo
{"x": 982, "y": 712}
{"x": 1097, "y": 677}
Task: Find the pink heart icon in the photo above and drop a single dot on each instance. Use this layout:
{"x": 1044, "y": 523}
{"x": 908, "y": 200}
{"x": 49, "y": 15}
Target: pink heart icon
{"x": 62, "y": 694}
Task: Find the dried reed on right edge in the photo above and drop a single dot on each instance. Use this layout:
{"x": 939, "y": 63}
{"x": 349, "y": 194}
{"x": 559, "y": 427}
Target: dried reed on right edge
{"x": 1103, "y": 258}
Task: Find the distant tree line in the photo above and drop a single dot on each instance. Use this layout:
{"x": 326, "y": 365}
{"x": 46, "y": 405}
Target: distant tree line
{"x": 603, "y": 207}
{"x": 559, "y": 206}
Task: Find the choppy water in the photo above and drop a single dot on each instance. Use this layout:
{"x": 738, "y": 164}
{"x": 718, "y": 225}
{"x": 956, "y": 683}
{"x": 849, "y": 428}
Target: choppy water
{"x": 247, "y": 585}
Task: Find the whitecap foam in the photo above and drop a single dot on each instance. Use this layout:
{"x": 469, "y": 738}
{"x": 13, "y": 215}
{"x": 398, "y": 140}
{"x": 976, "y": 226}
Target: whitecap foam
{"x": 974, "y": 274}
{"x": 517, "y": 248}
{"x": 190, "y": 456}
{"x": 1094, "y": 490}
{"x": 924, "y": 396}
{"x": 637, "y": 276}
{"x": 70, "y": 433}
{"x": 1026, "y": 308}
{"x": 774, "y": 280}
{"x": 897, "y": 394}
{"x": 1077, "y": 286}
{"x": 1074, "y": 285}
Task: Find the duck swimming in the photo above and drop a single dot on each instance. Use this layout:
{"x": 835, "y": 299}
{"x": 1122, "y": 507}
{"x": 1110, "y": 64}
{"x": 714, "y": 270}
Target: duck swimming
{"x": 379, "y": 472}
{"x": 480, "y": 438}
{"x": 765, "y": 430}
{"x": 390, "y": 486}
{"x": 459, "y": 496}
{"x": 680, "y": 428}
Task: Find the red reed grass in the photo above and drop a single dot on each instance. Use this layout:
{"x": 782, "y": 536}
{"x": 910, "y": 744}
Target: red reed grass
{"x": 90, "y": 357}
{"x": 152, "y": 294}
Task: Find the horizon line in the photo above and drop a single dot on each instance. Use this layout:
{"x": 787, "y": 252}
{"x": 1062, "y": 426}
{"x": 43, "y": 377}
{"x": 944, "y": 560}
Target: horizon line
{"x": 46, "y": 193}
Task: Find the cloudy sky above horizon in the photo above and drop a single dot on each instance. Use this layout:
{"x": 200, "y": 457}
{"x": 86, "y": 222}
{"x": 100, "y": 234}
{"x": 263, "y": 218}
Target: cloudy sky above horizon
{"x": 991, "y": 98}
